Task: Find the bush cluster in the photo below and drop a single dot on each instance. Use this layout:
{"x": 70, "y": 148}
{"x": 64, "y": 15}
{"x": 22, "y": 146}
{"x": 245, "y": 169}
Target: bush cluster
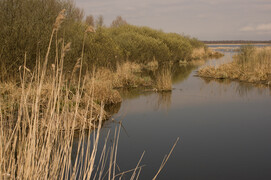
{"x": 26, "y": 26}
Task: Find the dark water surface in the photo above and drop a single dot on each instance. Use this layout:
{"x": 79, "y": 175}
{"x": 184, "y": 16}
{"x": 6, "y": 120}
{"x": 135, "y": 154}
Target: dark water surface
{"x": 224, "y": 129}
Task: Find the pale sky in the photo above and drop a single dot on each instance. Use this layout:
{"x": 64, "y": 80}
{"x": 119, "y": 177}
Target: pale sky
{"x": 204, "y": 19}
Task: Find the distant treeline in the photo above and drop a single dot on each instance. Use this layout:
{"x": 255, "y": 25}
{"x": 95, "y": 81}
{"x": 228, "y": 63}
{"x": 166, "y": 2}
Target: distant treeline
{"x": 237, "y": 42}
{"x": 26, "y": 26}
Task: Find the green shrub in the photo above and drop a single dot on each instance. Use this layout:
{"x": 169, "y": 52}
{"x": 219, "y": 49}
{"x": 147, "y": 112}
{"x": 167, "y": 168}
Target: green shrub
{"x": 141, "y": 49}
{"x": 179, "y": 46}
{"x": 26, "y": 26}
{"x": 135, "y": 40}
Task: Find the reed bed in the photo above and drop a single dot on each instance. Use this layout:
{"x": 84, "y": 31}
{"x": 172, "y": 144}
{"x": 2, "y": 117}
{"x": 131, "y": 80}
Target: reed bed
{"x": 204, "y": 53}
{"x": 163, "y": 80}
{"x": 251, "y": 65}
{"x": 127, "y": 75}
{"x": 38, "y": 119}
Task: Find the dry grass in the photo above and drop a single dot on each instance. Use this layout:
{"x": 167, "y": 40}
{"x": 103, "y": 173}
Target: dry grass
{"x": 204, "y": 53}
{"x": 163, "y": 80}
{"x": 101, "y": 84}
{"x": 106, "y": 81}
{"x": 152, "y": 65}
{"x": 253, "y": 67}
{"x": 198, "y": 53}
{"x": 128, "y": 75}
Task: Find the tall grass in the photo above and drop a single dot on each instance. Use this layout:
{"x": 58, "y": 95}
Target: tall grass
{"x": 37, "y": 132}
{"x": 204, "y": 53}
{"x": 163, "y": 79}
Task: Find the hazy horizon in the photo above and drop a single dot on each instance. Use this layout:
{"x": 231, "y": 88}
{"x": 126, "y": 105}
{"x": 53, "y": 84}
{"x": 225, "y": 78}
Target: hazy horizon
{"x": 203, "y": 19}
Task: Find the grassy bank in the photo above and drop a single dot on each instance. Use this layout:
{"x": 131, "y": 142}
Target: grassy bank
{"x": 251, "y": 64}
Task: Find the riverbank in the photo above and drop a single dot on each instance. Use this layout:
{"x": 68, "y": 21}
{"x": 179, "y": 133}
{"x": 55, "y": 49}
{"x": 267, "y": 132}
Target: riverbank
{"x": 251, "y": 65}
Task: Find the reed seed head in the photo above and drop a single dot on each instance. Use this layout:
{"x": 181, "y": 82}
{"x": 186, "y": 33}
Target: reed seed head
{"x": 59, "y": 19}
{"x": 90, "y": 29}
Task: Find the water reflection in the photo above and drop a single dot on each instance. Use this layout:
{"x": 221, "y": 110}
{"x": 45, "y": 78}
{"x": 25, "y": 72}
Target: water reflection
{"x": 180, "y": 73}
{"x": 163, "y": 101}
{"x": 112, "y": 108}
{"x": 241, "y": 89}
{"x": 189, "y": 90}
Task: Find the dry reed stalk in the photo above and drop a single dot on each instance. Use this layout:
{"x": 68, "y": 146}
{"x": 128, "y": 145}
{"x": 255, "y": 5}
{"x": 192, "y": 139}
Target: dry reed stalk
{"x": 152, "y": 65}
{"x": 90, "y": 29}
{"x": 127, "y": 76}
{"x": 166, "y": 159}
{"x": 35, "y": 147}
{"x": 163, "y": 80}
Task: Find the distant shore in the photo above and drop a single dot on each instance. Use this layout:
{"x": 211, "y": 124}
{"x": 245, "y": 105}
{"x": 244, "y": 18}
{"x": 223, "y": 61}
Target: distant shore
{"x": 233, "y": 47}
{"x": 222, "y": 44}
{"x": 236, "y": 42}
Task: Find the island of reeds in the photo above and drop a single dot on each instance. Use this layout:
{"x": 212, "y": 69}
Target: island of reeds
{"x": 58, "y": 69}
{"x": 251, "y": 64}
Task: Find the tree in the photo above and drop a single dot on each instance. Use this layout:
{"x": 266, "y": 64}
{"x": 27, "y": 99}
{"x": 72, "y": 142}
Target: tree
{"x": 119, "y": 21}
{"x": 25, "y": 28}
{"x": 90, "y": 20}
{"x": 99, "y": 21}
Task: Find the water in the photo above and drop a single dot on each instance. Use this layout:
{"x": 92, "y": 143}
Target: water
{"x": 236, "y": 45}
{"x": 233, "y": 47}
{"x": 224, "y": 129}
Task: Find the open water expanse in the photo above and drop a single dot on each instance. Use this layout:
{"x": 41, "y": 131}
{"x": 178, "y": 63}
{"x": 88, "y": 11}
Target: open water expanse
{"x": 224, "y": 129}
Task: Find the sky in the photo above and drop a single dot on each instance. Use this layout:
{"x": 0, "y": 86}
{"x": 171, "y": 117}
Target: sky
{"x": 203, "y": 19}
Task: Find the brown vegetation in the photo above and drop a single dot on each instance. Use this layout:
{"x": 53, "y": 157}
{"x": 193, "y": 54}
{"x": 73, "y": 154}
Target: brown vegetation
{"x": 250, "y": 65}
{"x": 163, "y": 80}
{"x": 204, "y": 53}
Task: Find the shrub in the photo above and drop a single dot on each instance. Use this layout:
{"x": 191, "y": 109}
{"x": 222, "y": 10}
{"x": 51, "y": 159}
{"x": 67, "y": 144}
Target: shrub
{"x": 101, "y": 50}
{"x": 25, "y": 27}
{"x": 141, "y": 49}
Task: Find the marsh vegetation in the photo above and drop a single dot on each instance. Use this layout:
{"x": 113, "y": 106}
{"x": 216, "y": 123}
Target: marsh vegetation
{"x": 250, "y": 64}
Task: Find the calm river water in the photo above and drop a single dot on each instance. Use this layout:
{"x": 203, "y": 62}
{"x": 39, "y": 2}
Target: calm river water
{"x": 224, "y": 129}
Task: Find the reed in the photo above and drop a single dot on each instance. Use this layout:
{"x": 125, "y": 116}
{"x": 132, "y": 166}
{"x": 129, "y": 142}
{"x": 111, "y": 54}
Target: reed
{"x": 128, "y": 75}
{"x": 163, "y": 80}
{"x": 37, "y": 128}
{"x": 204, "y": 53}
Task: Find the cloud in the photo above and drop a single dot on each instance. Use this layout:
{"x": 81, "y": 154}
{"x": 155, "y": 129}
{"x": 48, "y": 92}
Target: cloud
{"x": 264, "y": 27}
{"x": 247, "y": 29}
{"x": 205, "y": 19}
{"x": 257, "y": 28}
